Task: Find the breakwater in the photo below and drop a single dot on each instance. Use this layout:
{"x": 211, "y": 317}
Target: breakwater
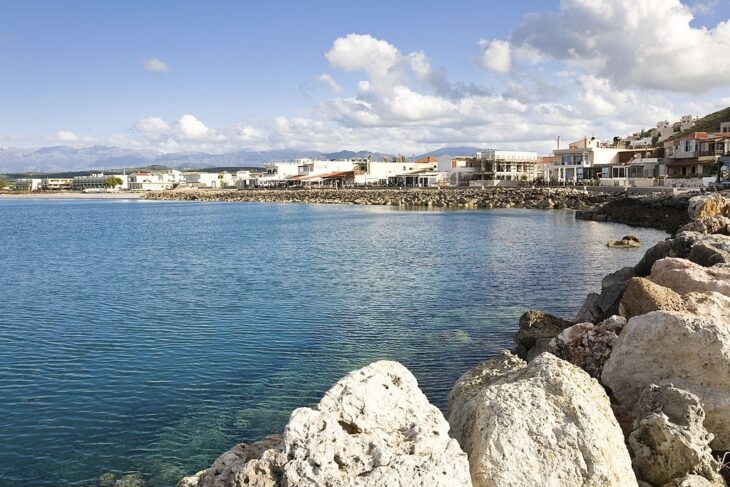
{"x": 666, "y": 212}
{"x": 632, "y": 391}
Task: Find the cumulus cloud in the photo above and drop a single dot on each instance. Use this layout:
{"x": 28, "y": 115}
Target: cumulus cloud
{"x": 155, "y": 65}
{"x": 632, "y": 43}
{"x": 152, "y": 127}
{"x": 330, "y": 82}
{"x": 496, "y": 55}
{"x": 66, "y": 136}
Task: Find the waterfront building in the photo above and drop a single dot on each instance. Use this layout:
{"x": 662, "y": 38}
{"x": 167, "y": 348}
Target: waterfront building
{"x": 98, "y": 181}
{"x": 277, "y": 173}
{"x": 582, "y": 160}
{"x": 380, "y": 173}
{"x": 27, "y": 184}
{"x": 56, "y": 184}
{"x": 153, "y": 181}
{"x": 245, "y": 179}
{"x": 495, "y": 167}
{"x": 696, "y": 154}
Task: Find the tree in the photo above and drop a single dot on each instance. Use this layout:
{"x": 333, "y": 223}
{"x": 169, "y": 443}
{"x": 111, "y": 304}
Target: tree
{"x": 113, "y": 181}
{"x": 4, "y": 183}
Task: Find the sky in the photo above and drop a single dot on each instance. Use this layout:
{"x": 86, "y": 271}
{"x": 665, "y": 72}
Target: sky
{"x": 391, "y": 76}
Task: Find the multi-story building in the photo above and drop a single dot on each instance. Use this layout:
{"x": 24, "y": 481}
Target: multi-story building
{"x": 582, "y": 160}
{"x": 98, "y": 181}
{"x": 56, "y": 184}
{"x": 503, "y": 165}
{"x": 696, "y": 154}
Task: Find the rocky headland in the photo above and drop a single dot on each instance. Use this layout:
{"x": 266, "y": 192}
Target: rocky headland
{"x": 633, "y": 391}
{"x": 665, "y": 211}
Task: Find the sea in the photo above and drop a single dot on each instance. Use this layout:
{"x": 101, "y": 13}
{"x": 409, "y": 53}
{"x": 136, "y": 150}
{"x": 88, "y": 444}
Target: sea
{"x": 148, "y": 337}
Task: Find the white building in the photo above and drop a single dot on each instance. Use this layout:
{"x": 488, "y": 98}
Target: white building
{"x": 582, "y": 160}
{"x": 276, "y": 173}
{"x": 245, "y": 180}
{"x": 380, "y": 173}
{"x": 98, "y": 181}
{"x": 154, "y": 181}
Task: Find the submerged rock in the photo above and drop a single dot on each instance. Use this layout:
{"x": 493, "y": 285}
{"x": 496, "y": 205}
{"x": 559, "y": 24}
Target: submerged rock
{"x": 692, "y": 352}
{"x": 627, "y": 242}
{"x": 544, "y": 424}
{"x": 669, "y": 441}
{"x": 374, "y": 427}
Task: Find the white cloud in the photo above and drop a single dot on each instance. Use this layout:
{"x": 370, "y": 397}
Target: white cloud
{"x": 192, "y": 128}
{"x": 496, "y": 55}
{"x": 330, "y": 82}
{"x": 364, "y": 52}
{"x": 66, "y": 136}
{"x": 152, "y": 127}
{"x": 155, "y": 65}
{"x": 632, "y": 43}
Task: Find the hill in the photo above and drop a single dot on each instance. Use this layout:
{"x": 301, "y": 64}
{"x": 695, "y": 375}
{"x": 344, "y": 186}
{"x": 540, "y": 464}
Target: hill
{"x": 708, "y": 123}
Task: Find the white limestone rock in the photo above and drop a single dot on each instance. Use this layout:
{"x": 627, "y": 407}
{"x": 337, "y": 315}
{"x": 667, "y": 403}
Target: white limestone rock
{"x": 669, "y": 442}
{"x": 374, "y": 427}
{"x": 692, "y": 352}
{"x": 684, "y": 276}
{"x": 545, "y": 424}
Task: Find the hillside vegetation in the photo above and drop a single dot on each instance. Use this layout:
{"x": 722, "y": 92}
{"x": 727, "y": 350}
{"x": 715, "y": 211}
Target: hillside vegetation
{"x": 708, "y": 123}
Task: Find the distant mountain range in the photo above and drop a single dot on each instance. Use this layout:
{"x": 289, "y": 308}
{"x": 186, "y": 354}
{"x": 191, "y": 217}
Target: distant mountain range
{"x": 65, "y": 159}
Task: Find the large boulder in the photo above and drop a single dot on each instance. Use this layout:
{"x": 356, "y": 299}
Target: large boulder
{"x": 669, "y": 441}
{"x": 621, "y": 275}
{"x": 709, "y": 225}
{"x": 680, "y": 246}
{"x": 587, "y": 345}
{"x": 547, "y": 423}
{"x": 710, "y": 250}
{"x": 463, "y": 396}
{"x": 537, "y": 325}
{"x": 708, "y": 205}
{"x": 692, "y": 352}
{"x": 643, "y": 296}
{"x": 684, "y": 276}
{"x": 374, "y": 427}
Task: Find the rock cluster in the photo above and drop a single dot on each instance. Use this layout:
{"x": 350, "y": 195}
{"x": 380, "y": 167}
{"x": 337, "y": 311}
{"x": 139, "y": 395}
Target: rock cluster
{"x": 542, "y": 198}
{"x": 634, "y": 391}
{"x": 374, "y": 427}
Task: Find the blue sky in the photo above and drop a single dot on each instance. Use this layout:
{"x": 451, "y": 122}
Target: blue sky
{"x": 250, "y": 74}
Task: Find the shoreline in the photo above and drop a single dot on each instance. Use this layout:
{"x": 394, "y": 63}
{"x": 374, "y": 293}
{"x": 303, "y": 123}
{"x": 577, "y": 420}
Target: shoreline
{"x": 72, "y": 196}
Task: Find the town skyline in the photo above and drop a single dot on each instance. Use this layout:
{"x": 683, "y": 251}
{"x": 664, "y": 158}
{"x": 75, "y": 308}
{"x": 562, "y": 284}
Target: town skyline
{"x": 397, "y": 85}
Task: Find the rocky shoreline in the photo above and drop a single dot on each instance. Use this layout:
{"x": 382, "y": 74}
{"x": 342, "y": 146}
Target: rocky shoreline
{"x": 663, "y": 211}
{"x": 635, "y": 390}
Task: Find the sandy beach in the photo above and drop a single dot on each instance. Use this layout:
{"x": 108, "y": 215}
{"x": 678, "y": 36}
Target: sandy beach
{"x": 69, "y": 195}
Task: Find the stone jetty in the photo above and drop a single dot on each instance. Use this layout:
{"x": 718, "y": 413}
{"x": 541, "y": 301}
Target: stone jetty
{"x": 633, "y": 391}
{"x": 665, "y": 211}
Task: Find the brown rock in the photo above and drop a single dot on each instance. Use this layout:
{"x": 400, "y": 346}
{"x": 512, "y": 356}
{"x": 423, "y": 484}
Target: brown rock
{"x": 643, "y": 296}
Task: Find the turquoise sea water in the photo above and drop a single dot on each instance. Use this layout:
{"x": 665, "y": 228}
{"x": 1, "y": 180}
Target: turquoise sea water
{"x": 152, "y": 336}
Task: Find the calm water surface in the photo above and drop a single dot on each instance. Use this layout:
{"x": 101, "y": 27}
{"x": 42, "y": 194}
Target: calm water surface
{"x": 152, "y": 336}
